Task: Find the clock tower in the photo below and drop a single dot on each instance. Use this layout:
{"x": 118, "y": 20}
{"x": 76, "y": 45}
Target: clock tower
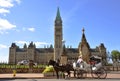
{"x": 58, "y": 36}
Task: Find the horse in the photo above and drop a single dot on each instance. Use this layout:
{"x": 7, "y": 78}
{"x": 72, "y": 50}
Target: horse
{"x": 63, "y": 68}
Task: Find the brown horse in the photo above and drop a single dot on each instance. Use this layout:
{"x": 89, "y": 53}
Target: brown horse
{"x": 63, "y": 68}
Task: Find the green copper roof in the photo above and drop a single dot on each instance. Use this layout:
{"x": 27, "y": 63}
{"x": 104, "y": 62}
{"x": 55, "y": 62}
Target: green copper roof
{"x": 58, "y": 17}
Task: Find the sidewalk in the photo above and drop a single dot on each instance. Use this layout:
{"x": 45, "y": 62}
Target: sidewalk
{"x": 41, "y": 76}
{"x": 21, "y": 75}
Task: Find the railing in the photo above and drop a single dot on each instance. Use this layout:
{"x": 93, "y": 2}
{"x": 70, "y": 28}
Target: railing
{"x": 112, "y": 68}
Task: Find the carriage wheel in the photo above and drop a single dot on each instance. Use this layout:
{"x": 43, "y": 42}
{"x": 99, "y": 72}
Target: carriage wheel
{"x": 81, "y": 74}
{"x": 100, "y": 73}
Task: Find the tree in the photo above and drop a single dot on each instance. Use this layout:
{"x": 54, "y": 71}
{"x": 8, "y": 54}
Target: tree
{"x": 115, "y": 55}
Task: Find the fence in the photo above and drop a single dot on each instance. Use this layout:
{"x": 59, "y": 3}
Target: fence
{"x": 112, "y": 68}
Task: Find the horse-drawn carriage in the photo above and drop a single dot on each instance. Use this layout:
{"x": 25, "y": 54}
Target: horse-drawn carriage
{"x": 95, "y": 68}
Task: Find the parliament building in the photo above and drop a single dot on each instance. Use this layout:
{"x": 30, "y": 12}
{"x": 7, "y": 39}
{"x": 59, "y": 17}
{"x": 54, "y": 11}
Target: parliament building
{"x": 56, "y": 51}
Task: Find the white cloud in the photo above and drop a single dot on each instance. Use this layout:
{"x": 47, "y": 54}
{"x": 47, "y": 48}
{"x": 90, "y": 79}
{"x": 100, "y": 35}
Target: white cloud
{"x": 3, "y": 10}
{"x": 5, "y": 6}
{"x": 6, "y": 3}
{"x": 28, "y": 29}
{"x": 38, "y": 44}
{"x": 25, "y": 29}
{"x": 6, "y": 25}
{"x": 31, "y": 29}
{"x": 21, "y": 42}
{"x": 2, "y": 46}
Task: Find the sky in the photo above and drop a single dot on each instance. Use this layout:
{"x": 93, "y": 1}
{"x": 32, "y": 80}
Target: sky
{"x": 23, "y": 21}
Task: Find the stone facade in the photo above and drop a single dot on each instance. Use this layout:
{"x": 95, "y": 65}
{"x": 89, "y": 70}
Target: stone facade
{"x": 43, "y": 55}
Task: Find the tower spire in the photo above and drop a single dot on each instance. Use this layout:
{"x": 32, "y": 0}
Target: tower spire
{"x": 84, "y": 48}
{"x": 83, "y": 36}
{"x": 58, "y": 20}
{"x": 58, "y": 17}
{"x": 83, "y": 30}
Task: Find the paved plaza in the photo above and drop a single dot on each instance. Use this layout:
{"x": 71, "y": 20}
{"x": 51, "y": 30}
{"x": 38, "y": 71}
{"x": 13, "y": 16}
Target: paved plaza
{"x": 59, "y": 80}
{"x": 110, "y": 75}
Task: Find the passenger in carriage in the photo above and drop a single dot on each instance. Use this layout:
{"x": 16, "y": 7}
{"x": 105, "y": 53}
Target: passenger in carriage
{"x": 80, "y": 60}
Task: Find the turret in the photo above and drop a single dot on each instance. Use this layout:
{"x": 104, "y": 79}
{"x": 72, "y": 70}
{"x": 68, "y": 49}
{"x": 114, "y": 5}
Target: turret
{"x": 12, "y": 53}
{"x": 25, "y": 46}
{"x": 31, "y": 52}
{"x": 102, "y": 51}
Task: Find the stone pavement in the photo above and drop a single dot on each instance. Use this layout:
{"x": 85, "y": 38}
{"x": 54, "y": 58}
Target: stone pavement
{"x": 22, "y": 75}
{"x": 110, "y": 75}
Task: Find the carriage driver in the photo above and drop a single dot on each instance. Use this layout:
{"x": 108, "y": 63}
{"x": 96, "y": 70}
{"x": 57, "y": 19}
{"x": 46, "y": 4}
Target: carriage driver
{"x": 79, "y": 60}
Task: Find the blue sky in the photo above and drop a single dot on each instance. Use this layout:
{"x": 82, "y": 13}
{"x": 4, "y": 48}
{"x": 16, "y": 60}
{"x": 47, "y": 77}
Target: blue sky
{"x": 23, "y": 21}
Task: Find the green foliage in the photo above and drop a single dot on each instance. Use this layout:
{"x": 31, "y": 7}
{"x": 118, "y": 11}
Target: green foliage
{"x": 48, "y": 69}
{"x": 115, "y": 54}
{"x": 20, "y": 66}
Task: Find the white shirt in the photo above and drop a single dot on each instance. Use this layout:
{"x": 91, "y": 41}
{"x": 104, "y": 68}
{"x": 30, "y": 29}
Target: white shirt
{"x": 79, "y": 60}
